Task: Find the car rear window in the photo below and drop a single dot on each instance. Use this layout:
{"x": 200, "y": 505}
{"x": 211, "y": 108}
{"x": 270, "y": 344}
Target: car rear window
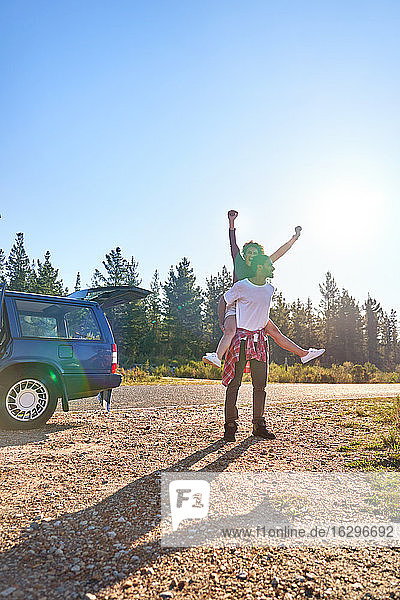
{"x": 47, "y": 320}
{"x": 81, "y": 324}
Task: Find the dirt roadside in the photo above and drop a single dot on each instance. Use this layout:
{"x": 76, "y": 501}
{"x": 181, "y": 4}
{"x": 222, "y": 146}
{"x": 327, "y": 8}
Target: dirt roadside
{"x": 80, "y": 508}
{"x": 199, "y": 392}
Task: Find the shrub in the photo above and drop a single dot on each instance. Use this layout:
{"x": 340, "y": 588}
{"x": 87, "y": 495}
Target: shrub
{"x": 359, "y": 374}
{"x": 198, "y": 370}
{"x": 396, "y": 410}
{"x": 297, "y": 373}
{"x": 277, "y": 374}
{"x": 163, "y": 371}
{"x": 135, "y": 375}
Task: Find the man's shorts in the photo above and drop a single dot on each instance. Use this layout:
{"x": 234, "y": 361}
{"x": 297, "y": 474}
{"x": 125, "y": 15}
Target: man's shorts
{"x": 230, "y": 310}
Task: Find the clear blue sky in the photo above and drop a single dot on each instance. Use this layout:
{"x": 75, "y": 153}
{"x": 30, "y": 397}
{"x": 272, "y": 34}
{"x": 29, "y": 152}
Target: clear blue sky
{"x": 140, "y": 124}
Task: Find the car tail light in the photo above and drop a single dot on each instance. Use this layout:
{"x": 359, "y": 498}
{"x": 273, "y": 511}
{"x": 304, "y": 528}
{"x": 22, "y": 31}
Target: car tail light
{"x": 114, "y": 359}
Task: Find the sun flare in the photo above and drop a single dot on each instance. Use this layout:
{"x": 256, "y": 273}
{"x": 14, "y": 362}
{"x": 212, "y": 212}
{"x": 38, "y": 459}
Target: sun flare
{"x": 348, "y": 214}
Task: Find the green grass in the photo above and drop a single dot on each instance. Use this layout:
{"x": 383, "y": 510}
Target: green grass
{"x": 350, "y": 447}
{"x": 379, "y": 451}
{"x": 355, "y": 425}
{"x": 360, "y": 412}
{"x": 381, "y": 410}
{"x": 390, "y": 441}
{"x": 377, "y": 463}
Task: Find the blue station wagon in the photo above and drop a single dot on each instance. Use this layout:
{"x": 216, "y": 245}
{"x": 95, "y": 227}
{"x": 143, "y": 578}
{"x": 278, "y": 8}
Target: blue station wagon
{"x": 56, "y": 347}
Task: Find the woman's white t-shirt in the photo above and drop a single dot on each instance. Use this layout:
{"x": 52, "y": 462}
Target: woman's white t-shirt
{"x": 252, "y": 303}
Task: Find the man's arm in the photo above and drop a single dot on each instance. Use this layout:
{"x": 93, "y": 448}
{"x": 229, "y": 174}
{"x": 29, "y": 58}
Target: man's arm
{"x": 283, "y": 249}
{"x": 232, "y": 214}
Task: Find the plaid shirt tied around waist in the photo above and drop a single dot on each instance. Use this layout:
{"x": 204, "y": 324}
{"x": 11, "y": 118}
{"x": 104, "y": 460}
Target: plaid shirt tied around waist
{"x": 232, "y": 355}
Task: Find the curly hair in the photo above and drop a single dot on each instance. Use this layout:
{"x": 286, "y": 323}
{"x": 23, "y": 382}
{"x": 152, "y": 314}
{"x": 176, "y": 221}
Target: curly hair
{"x": 250, "y": 244}
{"x": 260, "y": 259}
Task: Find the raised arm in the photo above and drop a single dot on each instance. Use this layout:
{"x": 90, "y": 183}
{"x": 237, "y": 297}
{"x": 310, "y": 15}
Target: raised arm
{"x": 232, "y": 214}
{"x": 283, "y": 249}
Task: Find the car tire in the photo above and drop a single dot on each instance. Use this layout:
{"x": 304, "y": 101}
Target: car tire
{"x": 27, "y": 401}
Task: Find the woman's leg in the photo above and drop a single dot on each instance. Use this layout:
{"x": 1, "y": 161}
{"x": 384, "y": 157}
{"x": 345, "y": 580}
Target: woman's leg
{"x": 229, "y": 334}
{"x": 283, "y": 341}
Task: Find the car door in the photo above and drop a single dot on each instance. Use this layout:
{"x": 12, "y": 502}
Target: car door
{"x": 96, "y": 356}
{"x": 89, "y": 339}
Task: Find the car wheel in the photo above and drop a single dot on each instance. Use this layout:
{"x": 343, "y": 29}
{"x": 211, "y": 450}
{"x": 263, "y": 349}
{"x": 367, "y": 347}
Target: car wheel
{"x": 27, "y": 402}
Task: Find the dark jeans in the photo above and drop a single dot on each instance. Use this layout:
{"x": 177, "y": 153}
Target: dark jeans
{"x": 259, "y": 374}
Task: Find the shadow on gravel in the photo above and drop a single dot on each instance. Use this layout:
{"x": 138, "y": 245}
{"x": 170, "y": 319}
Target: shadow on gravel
{"x": 20, "y": 438}
{"x": 87, "y": 551}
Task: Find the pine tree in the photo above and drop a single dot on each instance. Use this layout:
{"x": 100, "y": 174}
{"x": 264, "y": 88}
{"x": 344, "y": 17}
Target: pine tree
{"x": 119, "y": 271}
{"x": 215, "y": 288}
{"x": 2, "y": 266}
{"x": 131, "y": 276}
{"x": 46, "y": 280}
{"x": 389, "y": 340}
{"x": 373, "y": 317}
{"x": 133, "y": 331}
{"x": 18, "y": 268}
{"x": 349, "y": 328}
{"x": 128, "y": 322}
{"x": 115, "y": 267}
{"x": 153, "y": 309}
{"x": 298, "y": 325}
{"x": 280, "y": 315}
{"x": 142, "y": 324}
{"x": 31, "y": 281}
{"x": 77, "y": 282}
{"x": 182, "y": 308}
{"x": 313, "y": 336}
{"x": 329, "y": 308}
{"x": 393, "y": 326}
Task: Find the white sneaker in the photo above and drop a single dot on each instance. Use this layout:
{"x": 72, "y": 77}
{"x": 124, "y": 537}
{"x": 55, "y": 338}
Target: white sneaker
{"x": 312, "y": 353}
{"x": 212, "y": 359}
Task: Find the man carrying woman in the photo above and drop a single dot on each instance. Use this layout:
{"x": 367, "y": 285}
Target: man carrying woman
{"x": 246, "y": 327}
{"x": 243, "y": 268}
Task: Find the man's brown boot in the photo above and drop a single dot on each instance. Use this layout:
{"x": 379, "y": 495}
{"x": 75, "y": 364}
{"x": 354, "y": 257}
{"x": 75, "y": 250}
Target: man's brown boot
{"x": 260, "y": 430}
{"x": 230, "y": 430}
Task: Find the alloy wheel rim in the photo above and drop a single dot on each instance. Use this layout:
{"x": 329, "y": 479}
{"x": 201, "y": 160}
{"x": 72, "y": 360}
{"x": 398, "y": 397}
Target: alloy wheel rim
{"x": 27, "y": 399}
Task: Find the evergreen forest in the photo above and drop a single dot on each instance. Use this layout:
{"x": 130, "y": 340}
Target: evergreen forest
{"x": 178, "y": 322}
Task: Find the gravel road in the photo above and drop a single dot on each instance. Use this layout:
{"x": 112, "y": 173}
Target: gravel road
{"x": 80, "y": 498}
{"x": 152, "y": 396}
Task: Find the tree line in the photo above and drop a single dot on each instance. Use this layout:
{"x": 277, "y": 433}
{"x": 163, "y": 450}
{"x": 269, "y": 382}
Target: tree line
{"x": 178, "y": 322}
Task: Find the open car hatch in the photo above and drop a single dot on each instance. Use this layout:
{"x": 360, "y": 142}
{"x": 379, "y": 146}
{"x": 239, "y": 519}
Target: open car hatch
{"x": 111, "y": 296}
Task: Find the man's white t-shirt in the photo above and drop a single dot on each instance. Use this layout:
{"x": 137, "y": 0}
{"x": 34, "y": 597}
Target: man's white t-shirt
{"x": 252, "y": 303}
